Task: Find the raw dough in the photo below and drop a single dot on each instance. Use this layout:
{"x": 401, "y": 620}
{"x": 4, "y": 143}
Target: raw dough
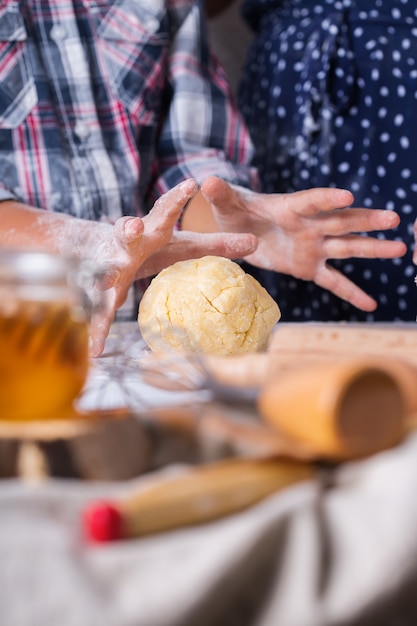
{"x": 207, "y": 305}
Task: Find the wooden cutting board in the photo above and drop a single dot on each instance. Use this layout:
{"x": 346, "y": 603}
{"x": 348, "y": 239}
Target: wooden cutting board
{"x": 329, "y": 340}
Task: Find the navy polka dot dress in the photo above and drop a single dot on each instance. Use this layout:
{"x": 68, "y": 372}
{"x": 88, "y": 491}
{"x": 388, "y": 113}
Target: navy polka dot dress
{"x": 330, "y": 97}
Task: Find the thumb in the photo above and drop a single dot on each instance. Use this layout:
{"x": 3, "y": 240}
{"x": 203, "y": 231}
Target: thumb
{"x": 220, "y": 194}
{"x": 128, "y": 232}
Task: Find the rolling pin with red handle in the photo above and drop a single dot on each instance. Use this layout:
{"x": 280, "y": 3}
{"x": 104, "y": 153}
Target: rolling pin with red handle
{"x": 199, "y": 495}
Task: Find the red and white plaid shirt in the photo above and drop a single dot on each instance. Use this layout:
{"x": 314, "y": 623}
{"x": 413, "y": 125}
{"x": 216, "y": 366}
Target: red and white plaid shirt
{"x": 104, "y": 105}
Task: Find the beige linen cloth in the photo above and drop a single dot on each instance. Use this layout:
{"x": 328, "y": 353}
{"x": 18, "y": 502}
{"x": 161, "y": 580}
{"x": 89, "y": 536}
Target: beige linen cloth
{"x": 316, "y": 554}
{"x": 312, "y": 555}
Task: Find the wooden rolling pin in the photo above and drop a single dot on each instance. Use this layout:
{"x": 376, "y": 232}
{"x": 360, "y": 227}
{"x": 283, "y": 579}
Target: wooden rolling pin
{"x": 200, "y": 495}
{"x": 340, "y": 410}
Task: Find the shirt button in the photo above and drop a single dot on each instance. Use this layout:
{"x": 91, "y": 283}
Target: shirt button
{"x": 152, "y": 25}
{"x": 58, "y": 32}
{"x": 81, "y": 130}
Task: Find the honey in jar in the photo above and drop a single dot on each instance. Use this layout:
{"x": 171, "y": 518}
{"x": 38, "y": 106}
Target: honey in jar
{"x": 44, "y": 331}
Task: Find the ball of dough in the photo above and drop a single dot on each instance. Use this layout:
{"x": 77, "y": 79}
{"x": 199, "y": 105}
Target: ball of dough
{"x": 207, "y": 305}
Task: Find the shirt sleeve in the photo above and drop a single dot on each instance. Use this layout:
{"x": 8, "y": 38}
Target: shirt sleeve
{"x": 203, "y": 133}
{"x": 5, "y": 194}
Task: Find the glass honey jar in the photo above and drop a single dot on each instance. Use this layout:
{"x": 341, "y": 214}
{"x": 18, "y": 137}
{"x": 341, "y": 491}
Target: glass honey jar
{"x": 44, "y": 334}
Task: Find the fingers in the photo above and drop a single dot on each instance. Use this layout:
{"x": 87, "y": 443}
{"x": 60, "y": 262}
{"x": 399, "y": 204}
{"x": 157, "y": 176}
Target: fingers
{"x": 222, "y": 195}
{"x": 128, "y": 232}
{"x": 345, "y": 221}
{"x": 331, "y": 279}
{"x": 230, "y": 245}
{"x": 101, "y": 320}
{"x": 188, "y": 245}
{"x": 362, "y": 247}
{"x": 310, "y": 202}
{"x": 415, "y": 244}
{"x": 167, "y": 209}
{"x": 99, "y": 329}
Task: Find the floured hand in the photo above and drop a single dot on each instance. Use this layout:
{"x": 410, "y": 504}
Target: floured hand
{"x": 299, "y": 232}
{"x": 138, "y": 247}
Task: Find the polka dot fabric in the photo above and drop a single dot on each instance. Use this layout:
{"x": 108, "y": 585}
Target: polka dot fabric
{"x": 330, "y": 97}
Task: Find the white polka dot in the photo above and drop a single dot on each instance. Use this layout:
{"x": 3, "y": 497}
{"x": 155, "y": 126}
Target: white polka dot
{"x": 398, "y": 119}
{"x": 404, "y": 142}
{"x": 343, "y": 167}
{"x": 381, "y": 171}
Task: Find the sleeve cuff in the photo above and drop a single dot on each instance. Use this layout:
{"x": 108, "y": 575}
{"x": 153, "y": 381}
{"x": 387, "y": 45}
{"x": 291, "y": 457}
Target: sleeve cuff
{"x": 5, "y": 194}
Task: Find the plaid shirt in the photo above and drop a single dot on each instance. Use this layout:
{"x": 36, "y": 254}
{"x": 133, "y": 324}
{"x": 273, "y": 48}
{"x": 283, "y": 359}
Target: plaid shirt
{"x": 104, "y": 105}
